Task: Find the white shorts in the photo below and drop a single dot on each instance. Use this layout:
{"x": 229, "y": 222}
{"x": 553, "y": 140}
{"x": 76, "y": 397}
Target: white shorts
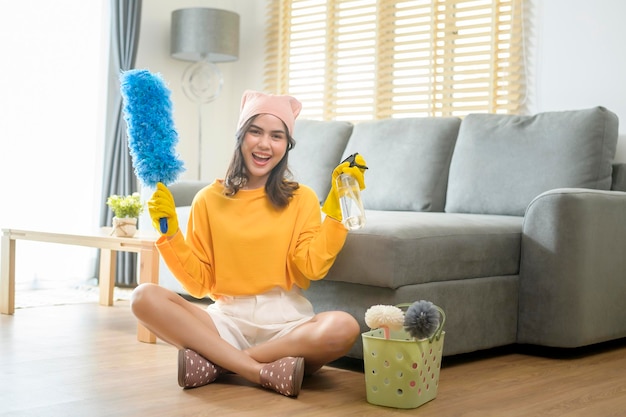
{"x": 247, "y": 321}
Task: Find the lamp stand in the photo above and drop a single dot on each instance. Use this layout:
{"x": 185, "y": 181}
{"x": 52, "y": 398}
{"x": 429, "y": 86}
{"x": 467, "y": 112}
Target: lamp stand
{"x": 202, "y": 83}
{"x": 199, "y": 106}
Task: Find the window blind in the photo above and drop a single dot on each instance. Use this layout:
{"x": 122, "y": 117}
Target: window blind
{"x": 371, "y": 59}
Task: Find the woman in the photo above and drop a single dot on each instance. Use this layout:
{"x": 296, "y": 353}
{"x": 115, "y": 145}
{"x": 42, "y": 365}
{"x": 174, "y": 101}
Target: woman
{"x": 254, "y": 240}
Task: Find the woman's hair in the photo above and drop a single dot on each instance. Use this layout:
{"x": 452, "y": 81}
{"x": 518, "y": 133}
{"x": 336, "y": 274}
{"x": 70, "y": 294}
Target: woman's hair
{"x": 279, "y": 188}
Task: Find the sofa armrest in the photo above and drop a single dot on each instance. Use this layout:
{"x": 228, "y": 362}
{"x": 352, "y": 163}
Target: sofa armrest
{"x": 184, "y": 191}
{"x": 573, "y": 268}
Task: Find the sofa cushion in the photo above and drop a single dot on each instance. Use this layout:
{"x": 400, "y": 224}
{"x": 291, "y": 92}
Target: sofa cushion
{"x": 404, "y": 248}
{"x": 318, "y": 150}
{"x": 408, "y": 161}
{"x": 502, "y": 162}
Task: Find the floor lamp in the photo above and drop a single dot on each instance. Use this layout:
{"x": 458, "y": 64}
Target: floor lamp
{"x": 204, "y": 36}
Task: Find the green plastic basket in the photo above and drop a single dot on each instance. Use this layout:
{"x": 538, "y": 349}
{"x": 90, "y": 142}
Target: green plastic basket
{"x": 402, "y": 372}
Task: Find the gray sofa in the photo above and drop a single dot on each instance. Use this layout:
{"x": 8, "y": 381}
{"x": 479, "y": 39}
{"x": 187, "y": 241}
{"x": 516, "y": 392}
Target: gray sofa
{"x": 514, "y": 225}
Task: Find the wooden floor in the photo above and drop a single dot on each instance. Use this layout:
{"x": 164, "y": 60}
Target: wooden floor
{"x": 84, "y": 360}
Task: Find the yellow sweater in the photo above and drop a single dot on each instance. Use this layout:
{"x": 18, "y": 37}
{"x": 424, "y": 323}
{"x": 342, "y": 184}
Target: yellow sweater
{"x": 242, "y": 245}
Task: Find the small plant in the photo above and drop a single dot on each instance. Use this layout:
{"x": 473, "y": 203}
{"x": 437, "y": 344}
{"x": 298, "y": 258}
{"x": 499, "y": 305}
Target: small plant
{"x": 125, "y": 206}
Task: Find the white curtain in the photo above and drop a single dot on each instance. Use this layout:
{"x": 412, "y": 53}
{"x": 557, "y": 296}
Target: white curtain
{"x": 52, "y": 106}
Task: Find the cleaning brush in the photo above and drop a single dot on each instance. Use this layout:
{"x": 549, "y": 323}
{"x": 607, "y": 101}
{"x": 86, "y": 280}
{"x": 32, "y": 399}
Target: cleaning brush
{"x": 384, "y": 317}
{"x": 152, "y": 137}
{"x": 422, "y": 319}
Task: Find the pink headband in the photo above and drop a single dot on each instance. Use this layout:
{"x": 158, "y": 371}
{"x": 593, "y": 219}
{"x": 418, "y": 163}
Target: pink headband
{"x": 286, "y": 108}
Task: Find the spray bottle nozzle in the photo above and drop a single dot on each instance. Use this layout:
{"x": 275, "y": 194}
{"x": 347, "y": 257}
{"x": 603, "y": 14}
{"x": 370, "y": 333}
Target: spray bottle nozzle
{"x": 353, "y": 163}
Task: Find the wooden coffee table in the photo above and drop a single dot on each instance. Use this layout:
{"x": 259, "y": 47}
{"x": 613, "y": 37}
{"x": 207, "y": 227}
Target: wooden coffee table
{"x": 142, "y": 243}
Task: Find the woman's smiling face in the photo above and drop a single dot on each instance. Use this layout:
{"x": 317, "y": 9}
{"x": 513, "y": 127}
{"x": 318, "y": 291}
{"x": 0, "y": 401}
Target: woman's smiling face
{"x": 264, "y": 146}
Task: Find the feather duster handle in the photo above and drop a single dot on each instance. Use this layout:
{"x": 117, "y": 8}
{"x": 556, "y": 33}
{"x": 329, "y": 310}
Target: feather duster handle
{"x": 385, "y": 317}
{"x": 424, "y": 320}
{"x": 152, "y": 137}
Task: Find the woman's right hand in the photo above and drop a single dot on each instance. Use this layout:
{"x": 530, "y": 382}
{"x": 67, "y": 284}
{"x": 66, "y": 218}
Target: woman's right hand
{"x": 162, "y": 206}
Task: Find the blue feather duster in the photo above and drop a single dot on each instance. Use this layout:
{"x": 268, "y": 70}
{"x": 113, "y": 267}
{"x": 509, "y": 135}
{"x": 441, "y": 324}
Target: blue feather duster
{"x": 152, "y": 137}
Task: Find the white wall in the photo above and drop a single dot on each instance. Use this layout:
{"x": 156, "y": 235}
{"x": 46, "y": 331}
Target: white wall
{"x": 219, "y": 118}
{"x": 580, "y": 58}
{"x": 576, "y": 59}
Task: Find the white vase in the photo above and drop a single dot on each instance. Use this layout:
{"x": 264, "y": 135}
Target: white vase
{"x": 124, "y": 226}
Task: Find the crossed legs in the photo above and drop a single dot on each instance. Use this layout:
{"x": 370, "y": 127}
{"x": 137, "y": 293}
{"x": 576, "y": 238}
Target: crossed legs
{"x": 326, "y": 337}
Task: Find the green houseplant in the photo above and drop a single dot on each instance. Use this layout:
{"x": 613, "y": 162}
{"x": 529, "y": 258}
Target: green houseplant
{"x": 126, "y": 210}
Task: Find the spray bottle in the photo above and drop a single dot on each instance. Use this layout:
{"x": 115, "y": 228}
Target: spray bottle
{"x": 349, "y": 192}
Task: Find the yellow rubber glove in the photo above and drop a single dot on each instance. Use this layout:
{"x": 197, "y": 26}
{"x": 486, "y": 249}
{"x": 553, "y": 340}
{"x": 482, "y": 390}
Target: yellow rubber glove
{"x": 353, "y": 165}
{"x": 162, "y": 206}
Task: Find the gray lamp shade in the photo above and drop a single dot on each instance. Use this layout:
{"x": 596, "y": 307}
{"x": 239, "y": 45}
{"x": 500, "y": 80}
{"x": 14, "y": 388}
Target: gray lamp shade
{"x": 200, "y": 33}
